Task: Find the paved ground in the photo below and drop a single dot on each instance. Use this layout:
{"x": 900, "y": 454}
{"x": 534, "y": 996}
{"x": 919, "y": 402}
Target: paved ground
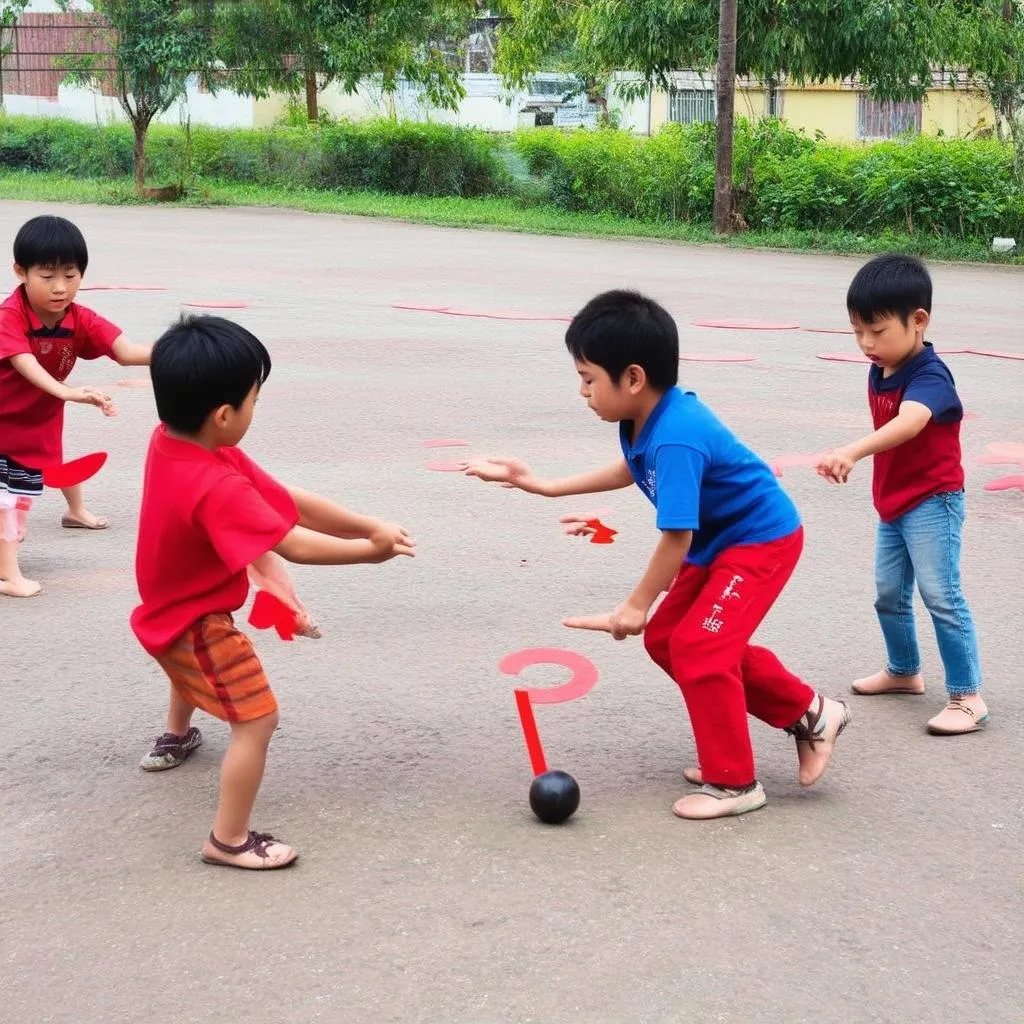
{"x": 426, "y": 892}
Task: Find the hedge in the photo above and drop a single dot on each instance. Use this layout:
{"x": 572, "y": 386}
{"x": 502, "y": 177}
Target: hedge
{"x": 948, "y": 187}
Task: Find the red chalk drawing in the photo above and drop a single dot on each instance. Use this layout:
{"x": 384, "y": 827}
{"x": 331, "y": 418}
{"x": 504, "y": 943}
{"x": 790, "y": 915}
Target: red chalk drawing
{"x": 716, "y": 357}
{"x": 75, "y": 472}
{"x": 745, "y": 325}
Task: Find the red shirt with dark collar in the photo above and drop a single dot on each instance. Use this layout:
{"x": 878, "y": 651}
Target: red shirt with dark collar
{"x": 31, "y": 421}
{"x": 205, "y": 517}
{"x": 930, "y": 463}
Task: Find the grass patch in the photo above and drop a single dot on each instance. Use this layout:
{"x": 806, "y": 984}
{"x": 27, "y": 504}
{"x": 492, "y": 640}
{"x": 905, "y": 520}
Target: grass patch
{"x": 495, "y": 213}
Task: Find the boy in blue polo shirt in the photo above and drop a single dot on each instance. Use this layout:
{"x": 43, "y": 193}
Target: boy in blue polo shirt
{"x": 730, "y": 540}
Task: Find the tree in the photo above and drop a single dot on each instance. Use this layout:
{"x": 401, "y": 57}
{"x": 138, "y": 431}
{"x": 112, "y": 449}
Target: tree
{"x": 152, "y": 48}
{"x": 301, "y": 46}
{"x": 10, "y": 12}
{"x": 889, "y": 46}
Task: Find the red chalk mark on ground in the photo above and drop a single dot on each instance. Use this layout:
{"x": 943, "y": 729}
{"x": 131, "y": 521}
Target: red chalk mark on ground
{"x": 844, "y": 357}
{"x": 122, "y": 288}
{"x": 480, "y": 314}
{"x": 745, "y": 325}
{"x": 584, "y": 677}
{"x": 827, "y": 330}
{"x": 134, "y": 382}
{"x": 218, "y": 304}
{"x": 792, "y": 460}
{"x": 995, "y": 353}
{"x": 447, "y": 467}
{"x": 1006, "y": 483}
{"x": 77, "y": 471}
{"x": 445, "y": 442}
{"x": 602, "y": 534}
{"x": 716, "y": 357}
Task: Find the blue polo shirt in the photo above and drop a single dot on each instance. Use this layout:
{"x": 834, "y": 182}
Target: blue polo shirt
{"x": 700, "y": 477}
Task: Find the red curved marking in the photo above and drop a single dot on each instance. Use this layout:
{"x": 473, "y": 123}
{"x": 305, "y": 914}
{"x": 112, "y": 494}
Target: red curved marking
{"x": 217, "y": 304}
{"x": 450, "y": 311}
{"x": 445, "y": 442}
{"x": 270, "y": 611}
{"x": 716, "y": 357}
{"x": 418, "y": 308}
{"x": 584, "y": 673}
{"x": 1006, "y": 483}
{"x": 75, "y": 472}
{"x": 843, "y": 357}
{"x": 746, "y": 325}
{"x": 122, "y": 288}
{"x": 827, "y": 330}
{"x": 446, "y": 467}
{"x": 994, "y": 353}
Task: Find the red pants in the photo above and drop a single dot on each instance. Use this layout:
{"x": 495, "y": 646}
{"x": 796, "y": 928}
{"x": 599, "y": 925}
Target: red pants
{"x": 700, "y": 635}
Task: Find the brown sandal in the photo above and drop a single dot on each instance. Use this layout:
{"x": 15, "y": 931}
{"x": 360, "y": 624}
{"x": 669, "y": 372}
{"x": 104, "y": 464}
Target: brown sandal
{"x": 257, "y": 844}
{"x": 815, "y": 729}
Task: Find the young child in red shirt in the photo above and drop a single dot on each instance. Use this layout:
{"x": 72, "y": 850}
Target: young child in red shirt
{"x": 208, "y": 513}
{"x": 918, "y": 489}
{"x": 42, "y": 334}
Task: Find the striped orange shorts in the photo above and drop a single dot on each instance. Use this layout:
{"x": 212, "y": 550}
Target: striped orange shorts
{"x": 214, "y": 667}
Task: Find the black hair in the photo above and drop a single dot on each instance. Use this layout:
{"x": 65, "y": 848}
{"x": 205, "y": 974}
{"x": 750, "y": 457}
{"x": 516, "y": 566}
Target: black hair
{"x": 201, "y": 363}
{"x": 50, "y": 242}
{"x": 619, "y": 328}
{"x": 890, "y": 285}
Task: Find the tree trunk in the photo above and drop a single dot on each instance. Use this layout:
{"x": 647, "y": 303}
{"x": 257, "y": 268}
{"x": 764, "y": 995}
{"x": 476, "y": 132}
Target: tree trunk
{"x": 140, "y": 127}
{"x": 726, "y": 102}
{"x": 312, "y": 102}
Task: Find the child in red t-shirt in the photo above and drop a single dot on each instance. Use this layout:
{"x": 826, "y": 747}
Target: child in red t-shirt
{"x": 208, "y": 514}
{"x": 918, "y": 489}
{"x": 42, "y": 333}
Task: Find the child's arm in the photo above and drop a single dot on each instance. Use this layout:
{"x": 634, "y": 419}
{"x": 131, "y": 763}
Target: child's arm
{"x": 30, "y": 368}
{"x": 307, "y": 547}
{"x": 630, "y": 618}
{"x": 129, "y": 354}
{"x": 326, "y": 516}
{"x": 513, "y": 473}
{"x": 912, "y": 418}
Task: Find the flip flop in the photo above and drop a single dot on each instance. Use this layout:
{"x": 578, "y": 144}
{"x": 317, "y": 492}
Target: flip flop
{"x": 71, "y": 523}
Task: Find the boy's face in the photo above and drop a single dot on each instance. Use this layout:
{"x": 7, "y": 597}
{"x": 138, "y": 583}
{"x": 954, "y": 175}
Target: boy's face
{"x": 50, "y": 289}
{"x": 612, "y": 401}
{"x": 889, "y": 342}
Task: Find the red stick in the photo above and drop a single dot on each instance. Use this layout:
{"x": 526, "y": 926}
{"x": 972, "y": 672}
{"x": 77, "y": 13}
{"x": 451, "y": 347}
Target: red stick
{"x": 532, "y": 737}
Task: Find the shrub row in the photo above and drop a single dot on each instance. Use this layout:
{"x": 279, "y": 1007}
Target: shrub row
{"x": 949, "y": 187}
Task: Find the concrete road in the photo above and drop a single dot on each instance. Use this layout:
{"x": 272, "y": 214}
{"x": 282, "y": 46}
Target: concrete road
{"x": 425, "y": 891}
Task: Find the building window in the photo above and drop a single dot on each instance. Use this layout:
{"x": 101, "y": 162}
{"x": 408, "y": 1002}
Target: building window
{"x": 886, "y": 119}
{"x": 691, "y": 106}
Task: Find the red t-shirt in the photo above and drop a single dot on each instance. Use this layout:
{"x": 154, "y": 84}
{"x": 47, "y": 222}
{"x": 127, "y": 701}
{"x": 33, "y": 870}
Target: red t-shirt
{"x": 930, "y": 463}
{"x": 206, "y": 515}
{"x": 31, "y": 421}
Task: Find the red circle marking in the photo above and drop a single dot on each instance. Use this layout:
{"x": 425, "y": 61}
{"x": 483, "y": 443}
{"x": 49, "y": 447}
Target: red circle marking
{"x": 746, "y": 325}
{"x": 1006, "y": 483}
{"x": 122, "y": 288}
{"x": 75, "y": 472}
{"x": 217, "y": 304}
{"x": 827, "y": 330}
{"x": 584, "y": 673}
{"x": 716, "y": 357}
{"x": 994, "y": 353}
{"x": 445, "y": 442}
{"x": 450, "y": 311}
{"x": 446, "y": 467}
{"x": 843, "y": 357}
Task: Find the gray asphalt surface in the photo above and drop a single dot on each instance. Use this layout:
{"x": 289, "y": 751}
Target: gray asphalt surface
{"x": 425, "y": 890}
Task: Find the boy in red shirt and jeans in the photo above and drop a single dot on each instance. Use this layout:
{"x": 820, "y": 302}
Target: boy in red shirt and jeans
{"x": 209, "y": 512}
{"x": 918, "y": 489}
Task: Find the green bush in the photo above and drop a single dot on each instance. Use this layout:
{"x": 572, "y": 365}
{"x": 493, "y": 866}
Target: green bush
{"x": 392, "y": 156}
{"x": 951, "y": 188}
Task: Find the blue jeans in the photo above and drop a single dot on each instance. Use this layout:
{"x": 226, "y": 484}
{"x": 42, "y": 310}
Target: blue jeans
{"x": 924, "y": 544}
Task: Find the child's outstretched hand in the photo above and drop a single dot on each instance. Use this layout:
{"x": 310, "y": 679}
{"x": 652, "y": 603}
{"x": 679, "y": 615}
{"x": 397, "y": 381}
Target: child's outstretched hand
{"x": 391, "y": 541}
{"x": 576, "y": 525}
{"x": 836, "y": 466}
{"x": 626, "y": 620}
{"x": 90, "y": 396}
{"x": 507, "y": 472}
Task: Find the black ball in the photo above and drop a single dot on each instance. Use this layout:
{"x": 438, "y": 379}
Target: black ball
{"x": 554, "y": 797}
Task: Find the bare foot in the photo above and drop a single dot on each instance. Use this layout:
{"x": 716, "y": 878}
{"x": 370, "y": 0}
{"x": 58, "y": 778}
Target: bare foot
{"x": 20, "y": 587}
{"x": 83, "y": 520}
{"x": 885, "y": 682}
{"x": 260, "y": 852}
{"x": 963, "y": 714}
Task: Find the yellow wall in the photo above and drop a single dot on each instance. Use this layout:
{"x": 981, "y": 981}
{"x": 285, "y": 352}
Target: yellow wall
{"x": 833, "y": 110}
